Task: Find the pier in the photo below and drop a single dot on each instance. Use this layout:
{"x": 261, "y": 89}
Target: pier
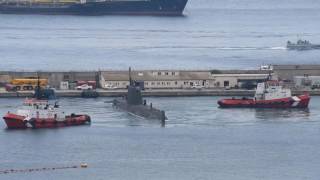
{"x": 164, "y": 83}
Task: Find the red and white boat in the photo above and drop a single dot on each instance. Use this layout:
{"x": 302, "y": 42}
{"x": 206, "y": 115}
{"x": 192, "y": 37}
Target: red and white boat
{"x": 269, "y": 94}
{"x": 40, "y": 114}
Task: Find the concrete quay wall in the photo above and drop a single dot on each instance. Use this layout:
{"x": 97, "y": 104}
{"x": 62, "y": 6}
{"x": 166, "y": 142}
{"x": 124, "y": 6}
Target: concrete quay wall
{"x": 153, "y": 93}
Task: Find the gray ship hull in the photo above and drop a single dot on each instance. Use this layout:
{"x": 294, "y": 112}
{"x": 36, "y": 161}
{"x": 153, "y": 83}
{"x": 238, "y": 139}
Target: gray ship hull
{"x": 302, "y": 47}
{"x": 144, "y": 111}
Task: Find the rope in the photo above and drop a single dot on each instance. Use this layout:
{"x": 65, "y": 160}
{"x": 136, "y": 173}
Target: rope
{"x": 10, "y": 171}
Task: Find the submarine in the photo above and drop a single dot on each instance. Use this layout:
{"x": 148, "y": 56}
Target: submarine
{"x": 133, "y": 103}
{"x": 43, "y": 93}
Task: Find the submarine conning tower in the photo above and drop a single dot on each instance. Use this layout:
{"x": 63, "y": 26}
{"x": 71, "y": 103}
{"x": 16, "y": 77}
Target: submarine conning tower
{"x": 134, "y": 103}
{"x": 134, "y": 96}
{"x": 43, "y": 93}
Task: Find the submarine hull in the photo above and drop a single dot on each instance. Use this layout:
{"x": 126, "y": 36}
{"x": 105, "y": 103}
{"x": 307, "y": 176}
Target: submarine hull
{"x": 144, "y": 111}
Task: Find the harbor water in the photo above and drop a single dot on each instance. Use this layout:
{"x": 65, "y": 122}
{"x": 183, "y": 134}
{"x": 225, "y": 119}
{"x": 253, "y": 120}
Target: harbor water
{"x": 213, "y": 34}
{"x": 200, "y": 141}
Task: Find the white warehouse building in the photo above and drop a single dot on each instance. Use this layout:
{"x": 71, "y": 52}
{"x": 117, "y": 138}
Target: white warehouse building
{"x": 173, "y": 79}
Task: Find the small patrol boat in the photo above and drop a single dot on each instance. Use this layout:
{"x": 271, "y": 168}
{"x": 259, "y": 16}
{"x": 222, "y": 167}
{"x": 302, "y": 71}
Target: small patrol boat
{"x": 302, "y": 45}
{"x": 268, "y": 94}
{"x": 37, "y": 112}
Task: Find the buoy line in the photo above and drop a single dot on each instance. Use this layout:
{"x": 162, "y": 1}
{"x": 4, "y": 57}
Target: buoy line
{"x": 9, "y": 171}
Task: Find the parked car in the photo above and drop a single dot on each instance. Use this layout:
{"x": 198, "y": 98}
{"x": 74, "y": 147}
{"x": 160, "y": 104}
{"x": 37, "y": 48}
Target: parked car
{"x": 109, "y": 86}
{"x": 197, "y": 86}
{"x": 84, "y": 87}
{"x": 266, "y": 68}
{"x": 90, "y": 83}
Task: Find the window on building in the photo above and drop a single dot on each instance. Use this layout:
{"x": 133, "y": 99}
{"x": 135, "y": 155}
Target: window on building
{"x": 226, "y": 83}
{"x": 176, "y": 83}
{"x": 168, "y": 83}
{"x": 163, "y": 83}
{"x": 159, "y": 73}
{"x": 66, "y": 77}
{"x": 152, "y": 83}
{"x": 166, "y": 73}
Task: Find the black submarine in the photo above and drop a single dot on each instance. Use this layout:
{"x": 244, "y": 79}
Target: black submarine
{"x": 135, "y": 104}
{"x": 43, "y": 93}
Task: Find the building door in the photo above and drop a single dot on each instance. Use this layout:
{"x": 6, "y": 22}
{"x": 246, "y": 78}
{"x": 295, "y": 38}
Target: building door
{"x": 225, "y": 83}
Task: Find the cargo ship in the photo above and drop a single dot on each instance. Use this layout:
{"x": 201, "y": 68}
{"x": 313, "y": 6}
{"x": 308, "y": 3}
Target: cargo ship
{"x": 269, "y": 94}
{"x": 94, "y": 7}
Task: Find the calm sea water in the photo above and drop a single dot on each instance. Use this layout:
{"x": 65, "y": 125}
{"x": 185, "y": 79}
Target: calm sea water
{"x": 200, "y": 141}
{"x": 212, "y": 34}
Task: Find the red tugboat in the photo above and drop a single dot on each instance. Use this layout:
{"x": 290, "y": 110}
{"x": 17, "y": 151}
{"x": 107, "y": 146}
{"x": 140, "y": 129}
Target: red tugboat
{"x": 269, "y": 94}
{"x": 40, "y": 114}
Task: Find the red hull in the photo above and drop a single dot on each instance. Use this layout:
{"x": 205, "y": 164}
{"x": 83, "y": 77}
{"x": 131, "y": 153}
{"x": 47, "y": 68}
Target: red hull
{"x": 274, "y": 103}
{"x": 14, "y": 121}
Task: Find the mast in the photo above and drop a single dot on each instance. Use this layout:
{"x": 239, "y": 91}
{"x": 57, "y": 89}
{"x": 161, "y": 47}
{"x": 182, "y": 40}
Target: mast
{"x": 38, "y": 95}
{"x": 130, "y": 79}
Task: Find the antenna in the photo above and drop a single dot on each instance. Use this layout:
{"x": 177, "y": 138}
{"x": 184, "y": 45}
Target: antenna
{"x": 269, "y": 76}
{"x": 38, "y": 95}
{"x": 130, "y": 79}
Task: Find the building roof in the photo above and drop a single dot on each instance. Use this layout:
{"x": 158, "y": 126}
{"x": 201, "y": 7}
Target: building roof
{"x": 169, "y": 76}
